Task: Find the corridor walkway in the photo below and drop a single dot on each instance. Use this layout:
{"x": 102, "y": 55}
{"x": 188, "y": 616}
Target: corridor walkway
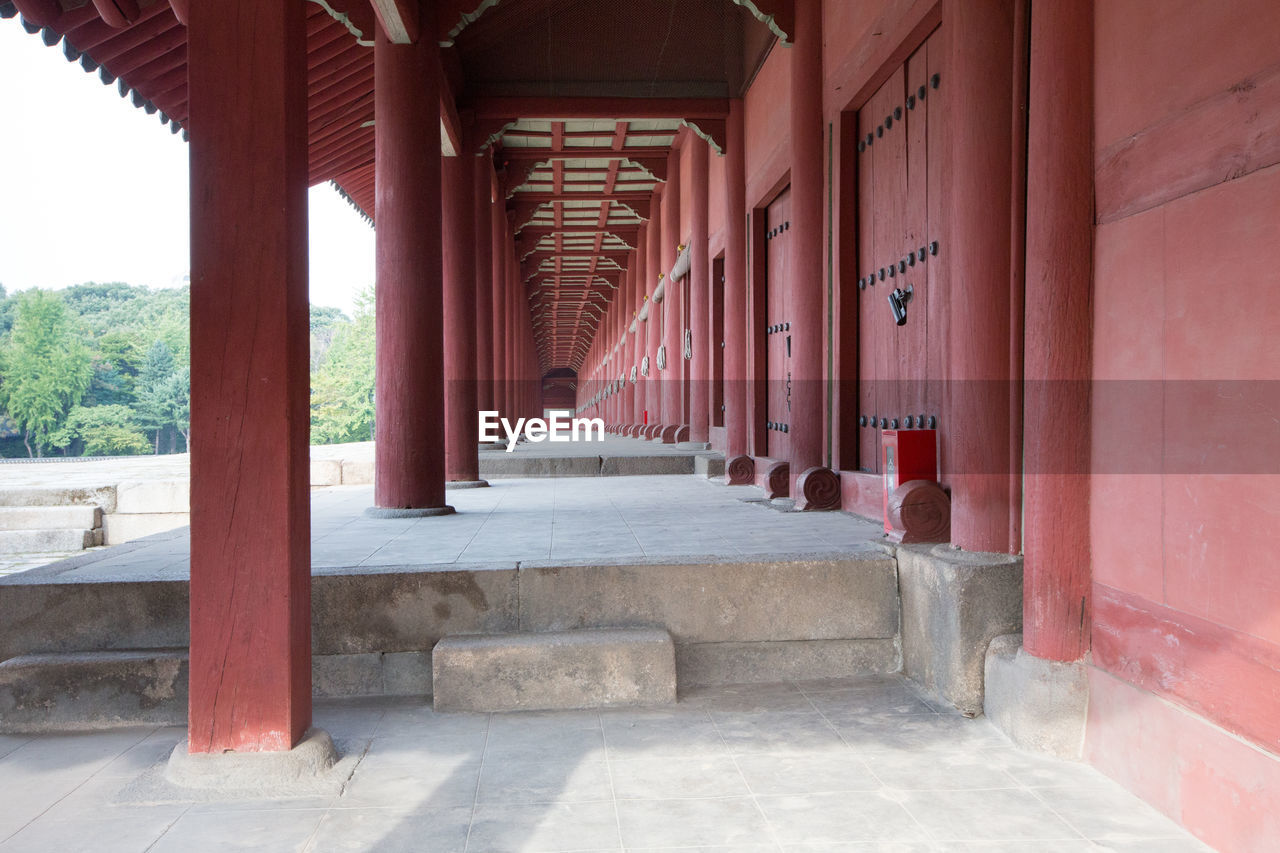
{"x": 858, "y": 765}
{"x": 565, "y": 520}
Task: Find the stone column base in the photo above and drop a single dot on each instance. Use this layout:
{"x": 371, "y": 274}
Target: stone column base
{"x": 954, "y": 603}
{"x": 303, "y": 768}
{"x": 409, "y": 512}
{"x": 1039, "y": 704}
{"x": 466, "y": 484}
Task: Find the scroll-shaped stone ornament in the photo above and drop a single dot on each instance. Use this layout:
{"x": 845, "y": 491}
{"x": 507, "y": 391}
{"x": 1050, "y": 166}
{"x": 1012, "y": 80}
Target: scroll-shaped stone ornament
{"x": 644, "y": 366}
{"x": 688, "y": 344}
{"x": 919, "y": 511}
{"x": 818, "y": 489}
{"x": 662, "y": 357}
{"x": 777, "y": 480}
{"x": 740, "y": 471}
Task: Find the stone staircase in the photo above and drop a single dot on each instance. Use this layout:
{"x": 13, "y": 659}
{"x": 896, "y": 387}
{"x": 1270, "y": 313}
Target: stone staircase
{"x": 48, "y": 528}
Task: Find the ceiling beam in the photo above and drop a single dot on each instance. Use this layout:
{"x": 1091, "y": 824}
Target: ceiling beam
{"x": 601, "y": 108}
{"x": 399, "y": 20}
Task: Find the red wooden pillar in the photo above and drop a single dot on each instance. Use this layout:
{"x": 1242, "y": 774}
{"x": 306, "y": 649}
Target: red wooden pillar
{"x": 805, "y": 269}
{"x": 699, "y": 295}
{"x": 735, "y": 299}
{"x": 672, "y": 326}
{"x": 642, "y": 326}
{"x": 1059, "y": 311}
{"x": 250, "y": 682}
{"x": 515, "y": 346}
{"x": 976, "y": 435}
{"x": 630, "y": 280}
{"x": 653, "y": 248}
{"x": 482, "y": 201}
{"x": 498, "y": 299}
{"x": 409, "y": 444}
{"x": 462, "y": 433}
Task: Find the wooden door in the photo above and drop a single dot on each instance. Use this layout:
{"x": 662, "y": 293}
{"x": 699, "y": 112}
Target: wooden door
{"x": 778, "y": 328}
{"x": 899, "y": 203}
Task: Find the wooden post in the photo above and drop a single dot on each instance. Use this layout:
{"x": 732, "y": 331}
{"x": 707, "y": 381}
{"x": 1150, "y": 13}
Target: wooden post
{"x": 462, "y": 434}
{"x": 978, "y": 189}
{"x": 805, "y": 269}
{"x": 735, "y": 284}
{"x": 409, "y": 442}
{"x": 699, "y": 295}
{"x": 250, "y": 682}
{"x": 1059, "y": 312}
{"x": 482, "y": 200}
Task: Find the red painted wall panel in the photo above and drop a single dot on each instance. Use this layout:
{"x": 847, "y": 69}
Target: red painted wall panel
{"x": 1185, "y": 490}
{"x": 1157, "y": 57}
{"x": 1221, "y": 788}
{"x": 766, "y": 116}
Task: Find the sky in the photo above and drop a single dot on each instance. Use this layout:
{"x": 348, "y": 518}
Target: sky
{"x": 94, "y": 189}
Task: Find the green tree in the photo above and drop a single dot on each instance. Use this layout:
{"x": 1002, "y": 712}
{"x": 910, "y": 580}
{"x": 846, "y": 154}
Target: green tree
{"x": 163, "y": 392}
{"x": 342, "y": 386}
{"x": 44, "y": 369}
{"x": 104, "y": 431}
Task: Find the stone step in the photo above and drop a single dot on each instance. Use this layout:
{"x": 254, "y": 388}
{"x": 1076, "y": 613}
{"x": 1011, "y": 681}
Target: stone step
{"x": 38, "y": 541}
{"x": 70, "y": 691}
{"x": 102, "y": 496}
{"x": 50, "y": 517}
{"x": 598, "y": 668}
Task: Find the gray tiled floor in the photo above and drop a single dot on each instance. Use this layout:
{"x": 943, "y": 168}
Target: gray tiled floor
{"x": 564, "y": 519}
{"x": 835, "y": 766}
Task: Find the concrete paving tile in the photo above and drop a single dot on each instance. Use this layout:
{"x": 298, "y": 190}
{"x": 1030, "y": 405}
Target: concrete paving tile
{"x": 529, "y": 828}
{"x": 1039, "y": 771}
{"x": 196, "y": 832}
{"x": 1041, "y": 846}
{"x": 691, "y": 822}
{"x": 857, "y": 682}
{"x": 570, "y": 744}
{"x": 989, "y": 815}
{"x": 69, "y": 754}
{"x": 920, "y": 732}
{"x": 803, "y": 733}
{"x": 420, "y": 750}
{"x": 865, "y": 847}
{"x": 777, "y": 775}
{"x": 841, "y": 705}
{"x": 746, "y": 698}
{"x": 938, "y": 771}
{"x": 544, "y": 782}
{"x": 662, "y": 778}
{"x": 677, "y": 734}
{"x": 116, "y": 830}
{"x": 1100, "y": 814}
{"x": 840, "y": 818}
{"x": 439, "y": 785}
{"x": 732, "y": 848}
{"x": 392, "y": 831}
{"x": 8, "y": 743}
{"x": 422, "y": 720}
{"x": 524, "y": 724}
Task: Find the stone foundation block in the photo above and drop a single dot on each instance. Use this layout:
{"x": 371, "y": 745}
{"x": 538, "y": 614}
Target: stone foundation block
{"x": 560, "y": 670}
{"x": 802, "y": 660}
{"x": 708, "y": 465}
{"x": 119, "y": 528}
{"x": 153, "y": 496}
{"x": 93, "y": 690}
{"x": 1039, "y": 704}
{"x": 50, "y": 517}
{"x": 33, "y": 541}
{"x": 954, "y": 603}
